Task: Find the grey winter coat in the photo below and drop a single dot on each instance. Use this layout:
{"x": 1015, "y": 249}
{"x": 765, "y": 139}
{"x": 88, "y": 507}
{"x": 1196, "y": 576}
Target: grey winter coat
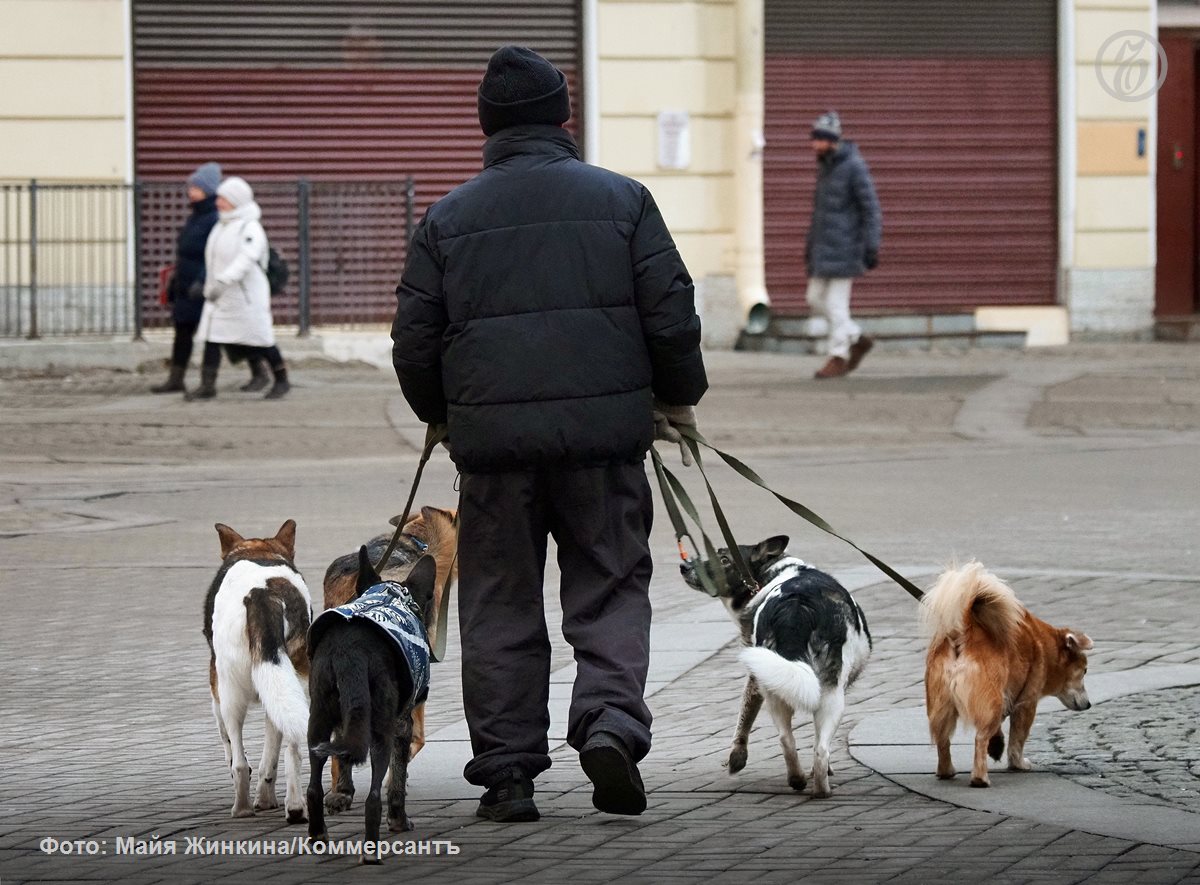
{"x": 847, "y": 223}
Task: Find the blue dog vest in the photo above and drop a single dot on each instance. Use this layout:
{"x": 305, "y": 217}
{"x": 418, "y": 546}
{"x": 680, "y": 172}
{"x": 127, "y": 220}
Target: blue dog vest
{"x": 390, "y": 607}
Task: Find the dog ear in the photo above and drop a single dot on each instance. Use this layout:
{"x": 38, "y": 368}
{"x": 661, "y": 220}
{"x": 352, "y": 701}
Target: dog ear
{"x": 432, "y": 514}
{"x": 229, "y": 538}
{"x": 367, "y": 576}
{"x": 421, "y": 579}
{"x": 286, "y": 538}
{"x": 770, "y": 548}
{"x": 412, "y": 517}
{"x": 1078, "y": 642}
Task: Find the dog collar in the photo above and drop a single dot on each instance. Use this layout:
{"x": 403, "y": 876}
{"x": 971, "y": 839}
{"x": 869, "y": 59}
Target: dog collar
{"x": 752, "y": 586}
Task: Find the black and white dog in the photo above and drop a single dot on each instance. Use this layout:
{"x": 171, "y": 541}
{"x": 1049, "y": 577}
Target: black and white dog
{"x": 805, "y": 641}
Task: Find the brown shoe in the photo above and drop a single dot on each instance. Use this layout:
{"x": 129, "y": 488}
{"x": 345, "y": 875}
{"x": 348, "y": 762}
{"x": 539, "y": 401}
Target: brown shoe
{"x": 858, "y": 350}
{"x": 835, "y": 368}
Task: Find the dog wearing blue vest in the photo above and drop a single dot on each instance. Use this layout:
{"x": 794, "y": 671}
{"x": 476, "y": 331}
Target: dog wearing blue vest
{"x": 433, "y": 531}
{"x": 369, "y": 668}
{"x": 805, "y": 640}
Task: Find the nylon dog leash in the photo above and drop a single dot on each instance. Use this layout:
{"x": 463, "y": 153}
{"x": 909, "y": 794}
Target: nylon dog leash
{"x": 438, "y": 651}
{"x": 672, "y": 489}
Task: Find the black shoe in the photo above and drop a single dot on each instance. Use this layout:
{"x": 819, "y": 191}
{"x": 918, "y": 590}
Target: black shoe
{"x": 281, "y": 386}
{"x": 207, "y": 388}
{"x": 614, "y": 774}
{"x": 278, "y": 390}
{"x": 509, "y": 800}
{"x": 174, "y": 382}
{"x": 259, "y": 379}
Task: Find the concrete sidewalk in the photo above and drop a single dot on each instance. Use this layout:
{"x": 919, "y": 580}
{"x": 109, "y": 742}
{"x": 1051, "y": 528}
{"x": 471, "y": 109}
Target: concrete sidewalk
{"x": 1072, "y": 472}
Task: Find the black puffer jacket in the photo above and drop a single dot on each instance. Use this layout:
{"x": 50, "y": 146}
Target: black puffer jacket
{"x": 847, "y": 223}
{"x": 542, "y": 303}
{"x": 187, "y": 286}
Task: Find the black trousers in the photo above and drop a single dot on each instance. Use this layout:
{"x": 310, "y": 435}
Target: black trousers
{"x": 212, "y": 354}
{"x": 181, "y": 348}
{"x": 600, "y": 519}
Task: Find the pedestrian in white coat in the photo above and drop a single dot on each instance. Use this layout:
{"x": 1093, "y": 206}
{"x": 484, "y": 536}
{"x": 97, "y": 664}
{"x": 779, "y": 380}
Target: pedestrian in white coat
{"x": 237, "y": 296}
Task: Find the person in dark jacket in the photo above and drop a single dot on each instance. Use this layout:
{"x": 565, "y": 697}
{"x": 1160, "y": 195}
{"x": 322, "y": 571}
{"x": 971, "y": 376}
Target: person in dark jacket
{"x": 545, "y": 316}
{"x": 843, "y": 241}
{"x": 185, "y": 291}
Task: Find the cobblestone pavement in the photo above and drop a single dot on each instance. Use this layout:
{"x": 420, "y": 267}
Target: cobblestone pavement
{"x": 1145, "y": 746}
{"x": 108, "y": 497}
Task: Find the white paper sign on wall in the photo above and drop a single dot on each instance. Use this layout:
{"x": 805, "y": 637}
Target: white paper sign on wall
{"x": 674, "y": 140}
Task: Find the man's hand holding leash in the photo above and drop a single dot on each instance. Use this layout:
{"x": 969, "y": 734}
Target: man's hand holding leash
{"x": 666, "y": 421}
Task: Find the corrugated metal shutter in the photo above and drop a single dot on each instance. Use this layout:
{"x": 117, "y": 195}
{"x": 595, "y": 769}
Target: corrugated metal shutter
{"x": 954, "y": 105}
{"x": 329, "y": 91}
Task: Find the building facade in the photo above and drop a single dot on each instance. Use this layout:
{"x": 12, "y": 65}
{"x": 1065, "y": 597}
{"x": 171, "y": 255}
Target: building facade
{"x": 1015, "y": 146}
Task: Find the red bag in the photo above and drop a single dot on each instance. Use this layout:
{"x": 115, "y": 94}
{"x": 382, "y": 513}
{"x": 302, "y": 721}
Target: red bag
{"x": 165, "y": 273}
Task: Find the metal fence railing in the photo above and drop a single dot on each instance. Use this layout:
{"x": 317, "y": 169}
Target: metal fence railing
{"x": 83, "y": 259}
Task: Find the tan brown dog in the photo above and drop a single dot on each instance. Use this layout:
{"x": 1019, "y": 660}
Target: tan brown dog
{"x": 432, "y": 532}
{"x": 990, "y": 658}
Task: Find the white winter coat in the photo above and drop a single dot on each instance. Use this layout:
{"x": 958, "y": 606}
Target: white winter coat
{"x": 237, "y": 297}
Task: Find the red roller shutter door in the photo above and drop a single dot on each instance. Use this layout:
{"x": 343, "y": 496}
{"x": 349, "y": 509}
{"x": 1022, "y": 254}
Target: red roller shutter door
{"x": 954, "y": 106}
{"x": 328, "y": 91}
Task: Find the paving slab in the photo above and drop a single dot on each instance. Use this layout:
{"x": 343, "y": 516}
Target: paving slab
{"x": 108, "y": 498}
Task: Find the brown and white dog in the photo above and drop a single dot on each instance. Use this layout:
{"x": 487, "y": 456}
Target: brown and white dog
{"x": 432, "y": 532}
{"x": 990, "y": 658}
{"x": 256, "y": 618}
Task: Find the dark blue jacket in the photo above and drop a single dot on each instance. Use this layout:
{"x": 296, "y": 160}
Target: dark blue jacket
{"x": 847, "y": 222}
{"x": 542, "y": 307}
{"x": 187, "y": 286}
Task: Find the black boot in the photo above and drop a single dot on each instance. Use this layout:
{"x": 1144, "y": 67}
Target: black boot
{"x": 208, "y": 385}
{"x": 174, "y": 382}
{"x": 618, "y": 784}
{"x": 258, "y": 375}
{"x": 509, "y": 800}
{"x": 280, "y": 388}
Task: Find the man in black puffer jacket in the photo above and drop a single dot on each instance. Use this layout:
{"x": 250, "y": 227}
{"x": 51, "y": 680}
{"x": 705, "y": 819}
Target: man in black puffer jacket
{"x": 546, "y": 317}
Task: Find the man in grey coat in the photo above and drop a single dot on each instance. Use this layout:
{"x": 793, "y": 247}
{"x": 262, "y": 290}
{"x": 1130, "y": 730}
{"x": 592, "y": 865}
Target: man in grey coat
{"x": 843, "y": 241}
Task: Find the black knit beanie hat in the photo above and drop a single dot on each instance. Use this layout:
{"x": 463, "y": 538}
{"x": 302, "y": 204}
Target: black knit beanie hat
{"x": 521, "y": 87}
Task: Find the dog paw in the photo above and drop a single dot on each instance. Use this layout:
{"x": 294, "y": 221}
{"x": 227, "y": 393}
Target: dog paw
{"x": 797, "y": 782}
{"x": 980, "y": 782}
{"x": 400, "y": 824}
{"x": 737, "y": 760}
{"x": 296, "y": 816}
{"x": 335, "y": 802}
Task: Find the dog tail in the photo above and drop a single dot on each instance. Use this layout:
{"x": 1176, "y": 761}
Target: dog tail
{"x": 277, "y": 619}
{"x": 793, "y": 681}
{"x": 282, "y": 695}
{"x": 353, "y": 742}
{"x": 970, "y": 592}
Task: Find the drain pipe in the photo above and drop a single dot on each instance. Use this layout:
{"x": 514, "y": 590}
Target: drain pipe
{"x": 754, "y": 306}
